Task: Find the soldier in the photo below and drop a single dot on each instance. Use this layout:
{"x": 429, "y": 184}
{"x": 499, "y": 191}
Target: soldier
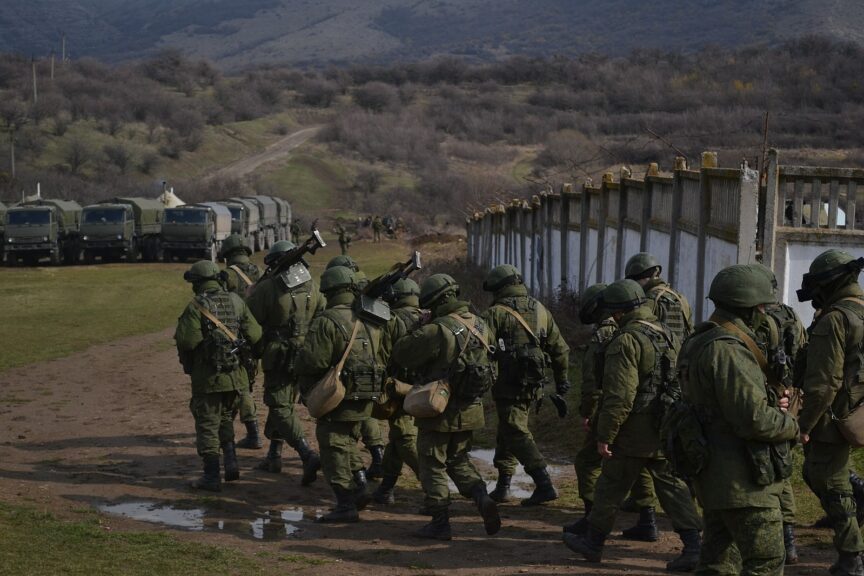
{"x": 241, "y": 275}
{"x": 744, "y": 426}
{"x": 285, "y": 310}
{"x": 344, "y": 239}
{"x": 402, "y": 440}
{"x": 295, "y": 230}
{"x": 456, "y": 344}
{"x": 370, "y": 429}
{"x": 208, "y": 335}
{"x": 377, "y": 227}
{"x": 832, "y": 387}
{"x": 668, "y": 305}
{"x": 638, "y": 377}
{"x": 331, "y": 334}
{"x": 588, "y": 460}
{"x": 529, "y": 347}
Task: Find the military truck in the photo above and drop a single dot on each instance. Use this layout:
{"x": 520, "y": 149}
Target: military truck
{"x": 42, "y": 228}
{"x": 244, "y": 220}
{"x": 122, "y": 227}
{"x": 268, "y": 220}
{"x": 283, "y": 231}
{"x": 195, "y": 230}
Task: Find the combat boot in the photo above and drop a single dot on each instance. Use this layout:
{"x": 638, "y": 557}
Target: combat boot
{"x": 311, "y": 462}
{"x": 384, "y": 493}
{"x": 645, "y": 529}
{"x": 253, "y": 440}
{"x": 488, "y": 509}
{"x": 361, "y": 497}
{"x": 376, "y": 467}
{"x": 544, "y": 491}
{"x": 501, "y": 493}
{"x": 210, "y": 479}
{"x": 589, "y": 545}
{"x": 789, "y": 543}
{"x": 689, "y": 557}
{"x": 848, "y": 564}
{"x": 629, "y": 505}
{"x": 345, "y": 510}
{"x": 232, "y": 469}
{"x": 858, "y": 496}
{"x": 273, "y": 461}
{"x": 438, "y": 528}
{"x": 580, "y": 526}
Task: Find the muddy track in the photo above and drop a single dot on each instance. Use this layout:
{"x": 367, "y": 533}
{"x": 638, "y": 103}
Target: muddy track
{"x": 276, "y": 151}
{"x": 111, "y": 425}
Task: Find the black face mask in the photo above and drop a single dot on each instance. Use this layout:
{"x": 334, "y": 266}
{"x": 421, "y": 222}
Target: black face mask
{"x": 811, "y": 283}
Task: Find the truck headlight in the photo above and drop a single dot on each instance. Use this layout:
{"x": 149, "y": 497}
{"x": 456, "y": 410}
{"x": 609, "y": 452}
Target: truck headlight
{"x": 119, "y": 236}
{"x": 84, "y": 237}
{"x": 10, "y": 240}
{"x": 44, "y": 238}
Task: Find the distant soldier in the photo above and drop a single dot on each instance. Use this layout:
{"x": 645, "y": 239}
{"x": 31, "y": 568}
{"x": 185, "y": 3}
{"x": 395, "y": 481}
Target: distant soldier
{"x": 377, "y": 228}
{"x": 332, "y": 333}
{"x": 669, "y": 306}
{"x": 285, "y": 309}
{"x": 295, "y": 230}
{"x": 530, "y": 348}
{"x": 344, "y": 239}
{"x": 241, "y": 275}
{"x": 638, "y": 377}
{"x": 210, "y": 332}
{"x": 456, "y": 344}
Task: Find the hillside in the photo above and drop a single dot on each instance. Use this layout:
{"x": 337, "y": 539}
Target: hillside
{"x": 239, "y": 34}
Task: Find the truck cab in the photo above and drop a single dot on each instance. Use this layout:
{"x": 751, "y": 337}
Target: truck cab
{"x": 195, "y": 230}
{"x": 108, "y": 232}
{"x": 42, "y": 229}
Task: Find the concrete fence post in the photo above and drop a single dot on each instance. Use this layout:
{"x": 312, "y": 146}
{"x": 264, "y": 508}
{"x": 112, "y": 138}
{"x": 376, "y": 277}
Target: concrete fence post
{"x": 566, "y": 193}
{"x": 770, "y": 219}
{"x": 674, "y": 231}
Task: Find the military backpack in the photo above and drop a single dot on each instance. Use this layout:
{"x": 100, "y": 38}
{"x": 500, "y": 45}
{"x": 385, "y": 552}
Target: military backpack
{"x": 521, "y": 349}
{"x": 471, "y": 374}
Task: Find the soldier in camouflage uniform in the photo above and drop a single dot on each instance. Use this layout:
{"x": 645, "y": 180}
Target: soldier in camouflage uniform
{"x": 456, "y": 346}
{"x": 638, "y": 377}
{"x": 588, "y": 461}
{"x": 744, "y": 424}
{"x": 402, "y": 440}
{"x": 241, "y": 275}
{"x": 529, "y": 347}
{"x": 669, "y": 306}
{"x": 209, "y": 355}
{"x": 832, "y": 387}
{"x": 285, "y": 313}
{"x": 363, "y": 376}
{"x": 370, "y": 429}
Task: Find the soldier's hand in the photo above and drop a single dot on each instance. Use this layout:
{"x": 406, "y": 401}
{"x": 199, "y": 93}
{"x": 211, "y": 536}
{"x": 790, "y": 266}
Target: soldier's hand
{"x": 586, "y": 424}
{"x": 804, "y": 438}
{"x": 783, "y": 403}
{"x": 562, "y": 387}
{"x": 603, "y": 450}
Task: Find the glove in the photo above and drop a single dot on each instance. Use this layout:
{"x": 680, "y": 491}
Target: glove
{"x": 562, "y": 387}
{"x": 560, "y": 405}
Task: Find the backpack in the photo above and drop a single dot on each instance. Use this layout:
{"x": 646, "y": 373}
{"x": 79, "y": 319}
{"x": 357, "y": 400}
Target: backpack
{"x": 524, "y": 347}
{"x": 471, "y": 374}
{"x": 659, "y": 388}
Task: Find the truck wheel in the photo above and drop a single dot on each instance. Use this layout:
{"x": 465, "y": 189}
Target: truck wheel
{"x": 132, "y": 255}
{"x": 166, "y": 256}
{"x": 55, "y": 259}
{"x": 88, "y": 257}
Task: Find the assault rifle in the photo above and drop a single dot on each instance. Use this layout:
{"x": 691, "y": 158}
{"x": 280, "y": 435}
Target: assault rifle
{"x": 374, "y": 298}
{"x": 286, "y": 264}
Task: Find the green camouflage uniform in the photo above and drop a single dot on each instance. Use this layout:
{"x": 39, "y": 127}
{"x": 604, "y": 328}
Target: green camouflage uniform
{"x": 628, "y": 421}
{"x": 670, "y": 307}
{"x": 831, "y": 386}
{"x": 738, "y": 489}
{"x": 516, "y": 390}
{"x": 215, "y": 389}
{"x": 363, "y": 376}
{"x": 588, "y": 460}
{"x": 285, "y": 315}
{"x": 238, "y": 285}
{"x": 444, "y": 441}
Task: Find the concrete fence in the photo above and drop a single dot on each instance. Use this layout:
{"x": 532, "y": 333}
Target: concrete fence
{"x": 695, "y": 222}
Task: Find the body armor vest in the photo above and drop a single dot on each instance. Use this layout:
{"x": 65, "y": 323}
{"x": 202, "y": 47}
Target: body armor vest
{"x": 853, "y": 365}
{"x": 657, "y": 375}
{"x": 362, "y": 374}
{"x": 671, "y": 310}
{"x": 219, "y": 348}
{"x": 470, "y": 374}
{"x": 520, "y": 353}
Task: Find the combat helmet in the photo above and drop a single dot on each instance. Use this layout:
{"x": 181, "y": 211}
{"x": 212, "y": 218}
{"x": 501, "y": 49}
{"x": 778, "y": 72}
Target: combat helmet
{"x": 623, "y": 295}
{"x": 435, "y": 287}
{"x": 200, "y": 271}
{"x": 741, "y": 286}
{"x": 343, "y": 260}
{"x": 337, "y": 277}
{"x": 640, "y": 263}
{"x": 590, "y": 309}
{"x": 234, "y": 243}
{"x": 828, "y": 267}
{"x": 405, "y": 287}
{"x": 501, "y": 276}
{"x": 277, "y": 249}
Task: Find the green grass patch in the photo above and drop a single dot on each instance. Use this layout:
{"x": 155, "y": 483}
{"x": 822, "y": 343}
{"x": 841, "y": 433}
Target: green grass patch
{"x": 310, "y": 179}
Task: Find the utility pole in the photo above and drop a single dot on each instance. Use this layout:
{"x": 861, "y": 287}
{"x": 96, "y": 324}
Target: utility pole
{"x": 12, "y": 147}
{"x": 35, "y": 95}
{"x": 63, "y": 49}
{"x": 52, "y": 65}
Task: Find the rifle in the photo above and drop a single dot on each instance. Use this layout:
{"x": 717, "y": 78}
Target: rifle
{"x": 373, "y": 299}
{"x": 286, "y": 264}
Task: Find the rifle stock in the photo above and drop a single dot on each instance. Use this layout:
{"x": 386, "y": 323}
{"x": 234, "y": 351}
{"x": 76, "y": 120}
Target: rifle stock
{"x": 292, "y": 257}
{"x": 378, "y": 287}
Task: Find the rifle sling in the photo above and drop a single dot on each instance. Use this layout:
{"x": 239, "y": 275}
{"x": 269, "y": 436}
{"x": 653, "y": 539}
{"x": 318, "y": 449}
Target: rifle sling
{"x": 240, "y": 273}
{"x": 210, "y": 316}
{"x": 751, "y": 345}
{"x": 473, "y": 331}
{"x": 348, "y": 348}
{"x": 522, "y": 321}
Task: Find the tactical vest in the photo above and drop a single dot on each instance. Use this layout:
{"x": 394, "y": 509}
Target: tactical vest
{"x": 362, "y": 374}
{"x": 786, "y": 338}
{"x": 250, "y": 270}
{"x": 409, "y": 319}
{"x": 471, "y": 373}
{"x": 296, "y": 325}
{"x": 522, "y": 355}
{"x": 602, "y": 336}
{"x": 671, "y": 310}
{"x": 853, "y": 364}
{"x": 658, "y": 383}
{"x": 218, "y": 347}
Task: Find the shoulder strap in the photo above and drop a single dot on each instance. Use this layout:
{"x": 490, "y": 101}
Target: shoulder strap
{"x": 521, "y": 320}
{"x": 748, "y": 342}
{"x": 348, "y": 348}
{"x": 240, "y": 273}
{"x": 854, "y": 299}
{"x": 473, "y": 331}
{"x": 210, "y": 316}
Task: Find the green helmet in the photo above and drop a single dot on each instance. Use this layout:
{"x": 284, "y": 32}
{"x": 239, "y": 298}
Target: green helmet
{"x": 405, "y": 287}
{"x": 436, "y": 286}
{"x": 343, "y": 260}
{"x": 590, "y": 309}
{"x": 501, "y": 276}
{"x": 768, "y": 273}
{"x": 232, "y": 243}
{"x": 277, "y": 249}
{"x": 828, "y": 267}
{"x": 741, "y": 286}
{"x": 201, "y": 270}
{"x": 623, "y": 295}
{"x": 640, "y": 263}
{"x": 337, "y": 277}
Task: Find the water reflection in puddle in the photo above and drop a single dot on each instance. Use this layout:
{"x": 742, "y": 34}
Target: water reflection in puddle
{"x": 272, "y": 525}
{"x": 521, "y": 486}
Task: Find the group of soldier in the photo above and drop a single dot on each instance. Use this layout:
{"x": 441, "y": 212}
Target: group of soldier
{"x": 671, "y": 412}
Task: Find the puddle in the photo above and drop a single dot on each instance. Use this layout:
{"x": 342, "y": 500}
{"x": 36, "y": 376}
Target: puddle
{"x": 271, "y": 525}
{"x": 521, "y": 486}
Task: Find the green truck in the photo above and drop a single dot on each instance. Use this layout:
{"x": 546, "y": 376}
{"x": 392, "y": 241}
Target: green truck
{"x": 122, "y": 227}
{"x": 283, "y": 229}
{"x": 195, "y": 231}
{"x": 244, "y": 220}
{"x": 42, "y": 228}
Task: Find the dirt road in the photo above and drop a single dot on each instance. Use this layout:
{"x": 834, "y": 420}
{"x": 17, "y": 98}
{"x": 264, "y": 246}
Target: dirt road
{"x": 109, "y": 428}
{"x": 276, "y": 151}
